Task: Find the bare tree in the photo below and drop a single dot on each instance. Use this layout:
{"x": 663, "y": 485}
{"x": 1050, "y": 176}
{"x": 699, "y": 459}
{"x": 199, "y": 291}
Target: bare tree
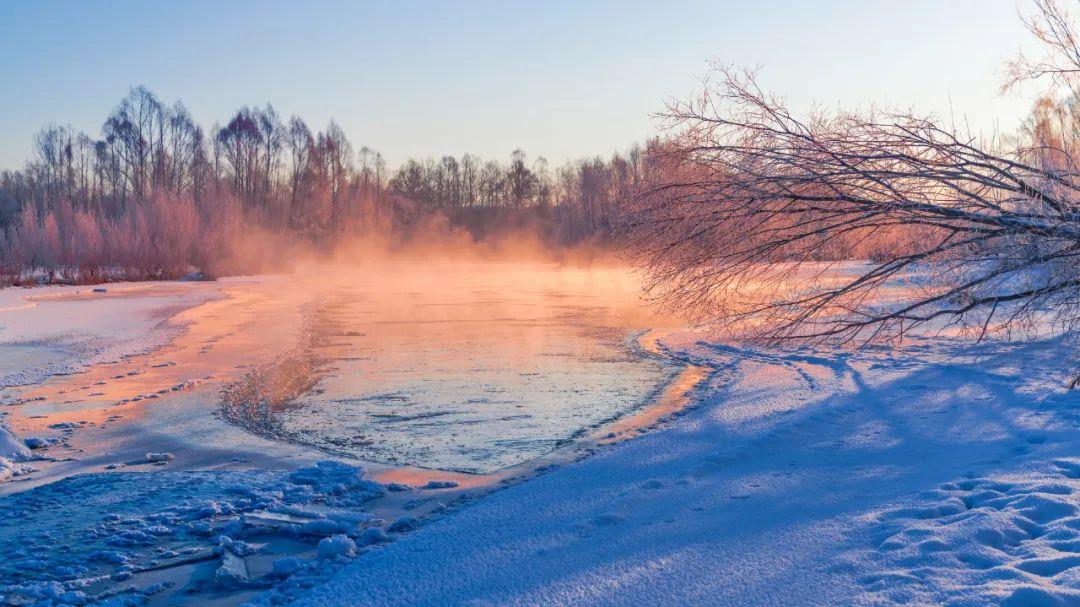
{"x": 1052, "y": 27}
{"x": 751, "y": 206}
{"x": 300, "y": 144}
{"x": 135, "y": 132}
{"x": 521, "y": 182}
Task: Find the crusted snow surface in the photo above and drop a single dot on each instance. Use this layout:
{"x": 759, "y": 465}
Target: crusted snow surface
{"x": 13, "y": 453}
{"x": 113, "y": 537}
{"x": 939, "y": 473}
{"x": 63, "y": 330}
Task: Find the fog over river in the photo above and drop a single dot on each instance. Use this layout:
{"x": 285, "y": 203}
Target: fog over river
{"x": 469, "y": 366}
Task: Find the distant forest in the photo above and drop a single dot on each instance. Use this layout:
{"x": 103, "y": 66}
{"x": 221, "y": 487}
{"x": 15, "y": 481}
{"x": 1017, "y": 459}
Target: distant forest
{"x": 156, "y": 195}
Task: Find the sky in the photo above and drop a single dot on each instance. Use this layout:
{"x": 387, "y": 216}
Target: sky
{"x": 559, "y": 79}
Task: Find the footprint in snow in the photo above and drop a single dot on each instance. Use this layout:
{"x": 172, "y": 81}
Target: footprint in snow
{"x": 1070, "y": 468}
{"x": 608, "y": 519}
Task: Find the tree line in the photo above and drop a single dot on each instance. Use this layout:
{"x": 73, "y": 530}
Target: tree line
{"x": 155, "y": 193}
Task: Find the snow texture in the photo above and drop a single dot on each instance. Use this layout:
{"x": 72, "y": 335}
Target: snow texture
{"x": 941, "y": 473}
{"x": 119, "y": 526}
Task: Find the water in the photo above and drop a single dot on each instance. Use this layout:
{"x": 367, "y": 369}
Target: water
{"x": 464, "y": 366}
{"x": 470, "y": 367}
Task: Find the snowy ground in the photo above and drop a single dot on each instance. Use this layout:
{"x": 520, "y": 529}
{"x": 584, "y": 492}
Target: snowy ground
{"x": 114, "y": 395}
{"x": 941, "y": 472}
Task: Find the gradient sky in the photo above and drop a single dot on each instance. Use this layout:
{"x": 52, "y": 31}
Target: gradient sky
{"x": 562, "y": 79}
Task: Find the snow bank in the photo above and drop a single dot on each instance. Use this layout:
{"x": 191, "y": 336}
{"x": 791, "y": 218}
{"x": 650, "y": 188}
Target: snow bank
{"x": 941, "y": 473}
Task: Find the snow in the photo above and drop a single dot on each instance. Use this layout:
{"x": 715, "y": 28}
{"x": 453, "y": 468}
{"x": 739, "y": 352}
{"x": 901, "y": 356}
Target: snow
{"x": 335, "y": 546}
{"x": 939, "y": 473}
{"x": 10, "y": 446}
{"x": 287, "y": 566}
{"x": 405, "y": 523}
{"x": 128, "y": 526}
{"x": 62, "y": 330}
{"x": 374, "y": 535}
{"x": 13, "y": 452}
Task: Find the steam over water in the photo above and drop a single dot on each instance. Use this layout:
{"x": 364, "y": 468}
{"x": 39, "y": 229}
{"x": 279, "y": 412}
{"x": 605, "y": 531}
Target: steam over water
{"x": 463, "y": 366}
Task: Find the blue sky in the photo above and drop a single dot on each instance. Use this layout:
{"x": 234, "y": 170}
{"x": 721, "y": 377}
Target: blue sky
{"x": 561, "y": 79}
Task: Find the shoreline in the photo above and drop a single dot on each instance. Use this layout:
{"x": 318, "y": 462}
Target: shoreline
{"x": 104, "y": 417}
{"x": 668, "y": 398}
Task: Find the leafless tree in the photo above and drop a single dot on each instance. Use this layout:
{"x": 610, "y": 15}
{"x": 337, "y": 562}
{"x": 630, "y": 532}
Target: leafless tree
{"x": 300, "y": 144}
{"x": 1051, "y": 25}
{"x": 753, "y": 205}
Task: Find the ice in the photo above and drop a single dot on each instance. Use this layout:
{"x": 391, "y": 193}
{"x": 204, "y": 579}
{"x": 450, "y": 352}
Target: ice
{"x": 336, "y": 546}
{"x": 12, "y": 453}
{"x": 64, "y": 330}
{"x": 337, "y": 479}
{"x": 439, "y": 485}
{"x": 324, "y": 527}
{"x": 12, "y": 448}
{"x": 121, "y": 528}
{"x": 35, "y": 442}
{"x": 940, "y": 472}
{"x": 405, "y": 523}
{"x": 233, "y": 571}
{"x": 155, "y": 457}
{"x": 374, "y": 535}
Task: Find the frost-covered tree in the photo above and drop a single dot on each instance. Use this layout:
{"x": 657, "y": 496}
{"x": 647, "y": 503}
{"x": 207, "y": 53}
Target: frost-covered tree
{"x": 751, "y": 205}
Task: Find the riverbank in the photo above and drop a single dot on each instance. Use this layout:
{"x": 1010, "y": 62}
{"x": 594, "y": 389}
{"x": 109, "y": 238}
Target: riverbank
{"x": 937, "y": 472}
{"x": 139, "y": 412}
{"x": 940, "y": 472}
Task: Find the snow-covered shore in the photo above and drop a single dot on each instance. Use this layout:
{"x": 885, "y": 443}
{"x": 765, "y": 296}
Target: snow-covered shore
{"x": 939, "y": 473}
{"x": 115, "y": 396}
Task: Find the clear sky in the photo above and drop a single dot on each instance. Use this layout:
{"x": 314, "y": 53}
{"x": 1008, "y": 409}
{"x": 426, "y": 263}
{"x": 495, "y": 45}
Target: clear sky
{"x": 562, "y": 79}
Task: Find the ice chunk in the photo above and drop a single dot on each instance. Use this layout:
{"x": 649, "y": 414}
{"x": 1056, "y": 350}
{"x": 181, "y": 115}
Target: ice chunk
{"x": 405, "y": 523}
{"x": 197, "y": 276}
{"x": 36, "y": 442}
{"x": 324, "y": 527}
{"x": 339, "y": 484}
{"x": 10, "y": 447}
{"x": 333, "y": 547}
{"x": 232, "y": 572}
{"x": 374, "y": 535}
{"x": 287, "y": 566}
{"x": 9, "y": 470}
{"x": 433, "y": 484}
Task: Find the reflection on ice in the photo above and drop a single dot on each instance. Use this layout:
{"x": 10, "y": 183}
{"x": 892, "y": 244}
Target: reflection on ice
{"x": 468, "y": 367}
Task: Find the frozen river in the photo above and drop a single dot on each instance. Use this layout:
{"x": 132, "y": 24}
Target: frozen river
{"x": 469, "y": 367}
{"x": 464, "y": 366}
{"x": 165, "y": 414}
